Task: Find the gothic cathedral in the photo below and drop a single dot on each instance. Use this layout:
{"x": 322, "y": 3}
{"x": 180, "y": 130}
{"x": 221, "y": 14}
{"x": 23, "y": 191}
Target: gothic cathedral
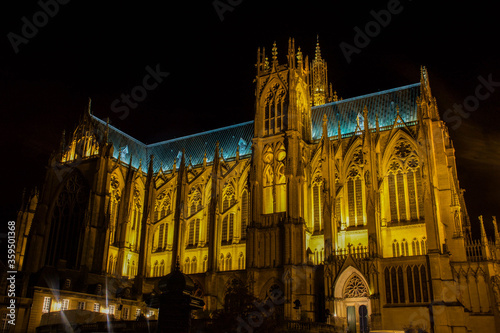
{"x": 350, "y": 207}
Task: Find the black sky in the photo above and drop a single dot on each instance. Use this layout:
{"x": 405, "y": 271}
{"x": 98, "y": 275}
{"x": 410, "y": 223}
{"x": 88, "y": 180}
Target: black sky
{"x": 91, "y": 49}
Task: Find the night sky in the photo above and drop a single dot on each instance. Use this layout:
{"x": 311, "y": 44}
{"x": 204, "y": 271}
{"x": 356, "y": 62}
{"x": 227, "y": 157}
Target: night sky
{"x": 87, "y": 49}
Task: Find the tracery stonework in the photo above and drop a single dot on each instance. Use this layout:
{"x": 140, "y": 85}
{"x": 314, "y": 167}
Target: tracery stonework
{"x": 403, "y": 149}
{"x": 311, "y": 188}
{"x": 355, "y": 288}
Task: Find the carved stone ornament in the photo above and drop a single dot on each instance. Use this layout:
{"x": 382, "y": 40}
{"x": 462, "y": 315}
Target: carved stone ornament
{"x": 402, "y": 149}
{"x": 355, "y": 288}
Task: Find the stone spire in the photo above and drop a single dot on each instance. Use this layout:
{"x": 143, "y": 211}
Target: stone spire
{"x": 484, "y": 240}
{"x": 319, "y": 79}
{"x": 317, "y": 55}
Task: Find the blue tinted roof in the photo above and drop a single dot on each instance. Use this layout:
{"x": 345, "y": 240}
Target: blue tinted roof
{"x": 381, "y": 103}
{"x": 230, "y": 138}
{"x": 346, "y": 112}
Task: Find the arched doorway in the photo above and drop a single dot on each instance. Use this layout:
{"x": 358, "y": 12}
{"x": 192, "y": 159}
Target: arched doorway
{"x": 352, "y": 305}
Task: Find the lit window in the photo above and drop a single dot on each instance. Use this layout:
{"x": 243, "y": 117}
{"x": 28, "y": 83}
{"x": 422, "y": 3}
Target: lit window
{"x": 81, "y": 305}
{"x": 355, "y": 198}
{"x": 46, "y": 304}
{"x": 111, "y": 309}
{"x": 125, "y": 313}
{"x": 274, "y": 109}
{"x": 194, "y": 201}
{"x": 137, "y": 313}
{"x": 317, "y": 182}
{"x": 97, "y": 307}
{"x": 244, "y": 214}
{"x": 65, "y": 305}
{"x": 227, "y": 229}
{"x": 404, "y": 183}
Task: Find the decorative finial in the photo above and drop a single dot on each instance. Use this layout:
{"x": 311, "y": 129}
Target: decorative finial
{"x": 275, "y": 53}
{"x": 325, "y": 125}
{"x": 299, "y": 56}
{"x": 317, "y": 56}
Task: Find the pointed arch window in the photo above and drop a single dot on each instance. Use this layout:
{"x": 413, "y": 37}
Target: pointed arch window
{"x": 163, "y": 206}
{"x": 227, "y": 229}
{"x": 229, "y": 198}
{"x": 268, "y": 190}
{"x": 395, "y": 249}
{"x": 205, "y": 263}
{"x": 221, "y": 262}
{"x": 114, "y": 208}
{"x": 280, "y": 189}
{"x": 194, "y": 267}
{"x": 156, "y": 269}
{"x": 162, "y": 237}
{"x": 194, "y": 198}
{"x": 194, "y": 233}
{"x": 415, "y": 244}
{"x": 274, "y": 181}
{"x": 404, "y": 248}
{"x": 404, "y": 184}
{"x": 135, "y": 236}
{"x": 423, "y": 245}
{"x": 355, "y": 198}
{"x": 162, "y": 268}
{"x": 110, "y": 264}
{"x": 229, "y": 262}
{"x": 244, "y": 214}
{"x": 274, "y": 110}
{"x": 241, "y": 261}
{"x": 317, "y": 204}
{"x": 67, "y": 222}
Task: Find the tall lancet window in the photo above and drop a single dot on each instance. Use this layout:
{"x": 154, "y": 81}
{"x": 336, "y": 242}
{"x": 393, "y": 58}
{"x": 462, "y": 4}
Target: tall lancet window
{"x": 268, "y": 190}
{"x": 274, "y": 182}
{"x": 404, "y": 185}
{"x": 317, "y": 204}
{"x": 355, "y": 198}
{"x": 229, "y": 198}
{"x": 227, "y": 229}
{"x": 68, "y": 222}
{"x": 274, "y": 109}
{"x": 194, "y": 233}
{"x": 114, "y": 205}
{"x": 244, "y": 213}
{"x": 194, "y": 198}
{"x": 162, "y": 237}
{"x": 163, "y": 206}
{"x": 135, "y": 235}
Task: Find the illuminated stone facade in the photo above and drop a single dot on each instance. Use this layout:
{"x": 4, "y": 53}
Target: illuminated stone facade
{"x": 352, "y": 207}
